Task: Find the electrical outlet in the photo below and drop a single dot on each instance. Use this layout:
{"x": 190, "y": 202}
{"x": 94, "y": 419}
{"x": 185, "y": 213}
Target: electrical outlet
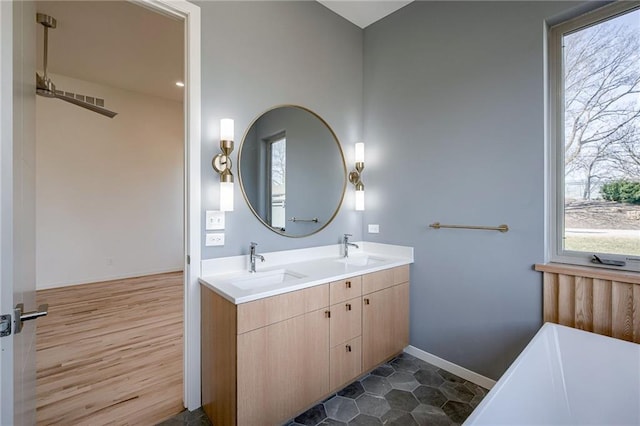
{"x": 374, "y": 228}
{"x": 214, "y": 239}
{"x": 214, "y": 220}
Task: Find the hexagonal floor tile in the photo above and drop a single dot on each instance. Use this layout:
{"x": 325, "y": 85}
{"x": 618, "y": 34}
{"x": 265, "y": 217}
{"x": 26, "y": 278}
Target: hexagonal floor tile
{"x": 428, "y": 377}
{"x": 450, "y": 377}
{"x": 403, "y": 381}
{"x": 457, "y": 411}
{"x": 341, "y": 409}
{"x": 476, "y": 389}
{"x": 352, "y": 391}
{"x": 372, "y": 405}
{"x": 312, "y": 416}
{"x": 430, "y": 396}
{"x": 401, "y": 400}
{"x": 398, "y": 418}
{"x": 456, "y": 392}
{"x": 376, "y": 385}
{"x": 364, "y": 420}
{"x": 384, "y": 370}
{"x": 331, "y": 422}
{"x": 404, "y": 364}
{"x": 430, "y": 415}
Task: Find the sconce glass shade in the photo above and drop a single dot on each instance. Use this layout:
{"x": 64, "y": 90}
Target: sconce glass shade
{"x": 360, "y": 200}
{"x": 360, "y": 152}
{"x": 226, "y": 129}
{"x": 226, "y": 196}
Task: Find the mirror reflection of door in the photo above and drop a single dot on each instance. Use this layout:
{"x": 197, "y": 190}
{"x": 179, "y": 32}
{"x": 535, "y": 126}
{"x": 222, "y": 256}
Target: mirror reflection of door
{"x": 276, "y": 180}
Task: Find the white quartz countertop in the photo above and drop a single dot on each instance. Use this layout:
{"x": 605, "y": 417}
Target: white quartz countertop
{"x": 301, "y": 269}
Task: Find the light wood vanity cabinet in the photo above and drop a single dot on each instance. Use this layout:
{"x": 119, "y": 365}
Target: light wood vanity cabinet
{"x": 265, "y": 361}
{"x": 385, "y": 315}
{"x": 345, "y": 331}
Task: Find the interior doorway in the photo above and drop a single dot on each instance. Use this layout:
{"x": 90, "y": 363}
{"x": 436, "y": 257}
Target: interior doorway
{"x": 110, "y": 221}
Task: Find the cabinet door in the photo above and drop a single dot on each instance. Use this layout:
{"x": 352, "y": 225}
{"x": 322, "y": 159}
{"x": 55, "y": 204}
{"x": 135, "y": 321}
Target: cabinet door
{"x": 385, "y": 324}
{"x": 346, "y": 321}
{"x": 346, "y": 362}
{"x": 282, "y": 368}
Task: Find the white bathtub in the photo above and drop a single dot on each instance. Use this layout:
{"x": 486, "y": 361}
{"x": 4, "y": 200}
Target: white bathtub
{"x": 566, "y": 377}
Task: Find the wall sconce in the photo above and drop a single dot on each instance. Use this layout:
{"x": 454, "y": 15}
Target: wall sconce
{"x": 356, "y": 175}
{"x": 222, "y": 165}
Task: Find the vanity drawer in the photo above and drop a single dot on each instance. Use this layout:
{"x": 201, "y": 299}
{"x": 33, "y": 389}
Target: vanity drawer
{"x": 385, "y": 279}
{"x": 346, "y": 362}
{"x": 262, "y": 312}
{"x": 345, "y": 289}
{"x": 346, "y": 321}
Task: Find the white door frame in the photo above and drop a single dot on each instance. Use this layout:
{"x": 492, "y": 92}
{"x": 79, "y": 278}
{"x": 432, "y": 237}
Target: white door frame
{"x": 6, "y": 204}
{"x": 190, "y": 13}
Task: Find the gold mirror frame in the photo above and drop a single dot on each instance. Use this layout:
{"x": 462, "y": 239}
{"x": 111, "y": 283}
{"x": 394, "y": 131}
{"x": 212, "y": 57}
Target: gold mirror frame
{"x": 344, "y": 169}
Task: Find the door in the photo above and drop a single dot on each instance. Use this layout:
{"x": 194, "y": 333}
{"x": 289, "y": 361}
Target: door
{"x": 17, "y": 214}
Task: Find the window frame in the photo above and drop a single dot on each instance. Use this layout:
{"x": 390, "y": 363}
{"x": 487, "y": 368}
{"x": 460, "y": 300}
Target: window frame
{"x": 269, "y": 141}
{"x": 555, "y": 151}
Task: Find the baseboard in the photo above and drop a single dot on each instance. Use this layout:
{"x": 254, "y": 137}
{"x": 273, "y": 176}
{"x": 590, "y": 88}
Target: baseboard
{"x": 106, "y": 278}
{"x": 469, "y": 375}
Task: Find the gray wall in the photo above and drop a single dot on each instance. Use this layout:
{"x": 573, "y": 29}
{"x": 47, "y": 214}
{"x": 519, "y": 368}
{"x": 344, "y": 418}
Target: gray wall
{"x": 454, "y": 125}
{"x": 259, "y": 54}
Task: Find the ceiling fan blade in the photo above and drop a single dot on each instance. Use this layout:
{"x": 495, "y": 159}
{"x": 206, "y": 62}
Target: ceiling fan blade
{"x": 87, "y": 105}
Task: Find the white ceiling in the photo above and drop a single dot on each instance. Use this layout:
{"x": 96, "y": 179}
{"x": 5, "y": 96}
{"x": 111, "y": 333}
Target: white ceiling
{"x": 364, "y": 12}
{"x": 114, "y": 43}
{"x": 123, "y": 45}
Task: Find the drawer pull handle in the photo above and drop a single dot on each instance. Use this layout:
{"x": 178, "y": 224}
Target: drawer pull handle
{"x": 348, "y": 305}
{"x": 348, "y": 347}
{"x": 366, "y": 301}
{"x": 348, "y": 284}
{"x": 327, "y": 314}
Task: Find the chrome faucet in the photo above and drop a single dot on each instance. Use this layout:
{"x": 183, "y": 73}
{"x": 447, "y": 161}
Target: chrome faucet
{"x": 253, "y": 256}
{"x": 346, "y": 243}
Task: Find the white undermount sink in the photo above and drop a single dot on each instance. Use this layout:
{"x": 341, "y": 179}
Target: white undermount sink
{"x": 360, "y": 260}
{"x": 265, "y": 278}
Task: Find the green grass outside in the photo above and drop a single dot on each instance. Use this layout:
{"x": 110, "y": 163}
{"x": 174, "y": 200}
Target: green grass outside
{"x": 614, "y": 245}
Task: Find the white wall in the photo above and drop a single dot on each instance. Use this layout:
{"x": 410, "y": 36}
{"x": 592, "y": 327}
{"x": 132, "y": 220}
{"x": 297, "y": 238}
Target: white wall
{"x": 109, "y": 191}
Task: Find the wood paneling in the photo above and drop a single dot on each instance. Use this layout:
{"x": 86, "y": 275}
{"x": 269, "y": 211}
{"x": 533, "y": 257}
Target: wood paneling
{"x": 584, "y": 303}
{"x": 601, "y": 306}
{"x": 218, "y": 331}
{"x": 550, "y": 283}
{"x": 111, "y": 352}
{"x": 602, "y": 301}
{"x": 262, "y": 312}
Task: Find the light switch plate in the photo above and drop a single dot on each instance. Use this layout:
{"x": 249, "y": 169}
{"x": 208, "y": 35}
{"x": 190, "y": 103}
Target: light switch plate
{"x": 214, "y": 220}
{"x": 374, "y": 228}
{"x": 214, "y": 239}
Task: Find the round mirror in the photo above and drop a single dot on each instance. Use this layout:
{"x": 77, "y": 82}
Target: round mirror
{"x": 292, "y": 171}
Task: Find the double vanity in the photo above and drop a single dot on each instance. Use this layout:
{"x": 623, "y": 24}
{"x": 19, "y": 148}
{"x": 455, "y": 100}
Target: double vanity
{"x": 306, "y": 323}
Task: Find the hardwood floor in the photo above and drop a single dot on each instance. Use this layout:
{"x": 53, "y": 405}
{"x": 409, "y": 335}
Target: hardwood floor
{"x": 111, "y": 352}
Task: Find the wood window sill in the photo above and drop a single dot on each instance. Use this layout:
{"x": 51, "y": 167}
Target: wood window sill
{"x": 589, "y": 272}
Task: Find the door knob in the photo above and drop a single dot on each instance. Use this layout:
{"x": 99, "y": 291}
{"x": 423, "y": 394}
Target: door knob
{"x": 21, "y": 316}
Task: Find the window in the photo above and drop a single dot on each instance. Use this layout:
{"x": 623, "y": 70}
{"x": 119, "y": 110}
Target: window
{"x": 594, "y": 64}
{"x": 277, "y": 154}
